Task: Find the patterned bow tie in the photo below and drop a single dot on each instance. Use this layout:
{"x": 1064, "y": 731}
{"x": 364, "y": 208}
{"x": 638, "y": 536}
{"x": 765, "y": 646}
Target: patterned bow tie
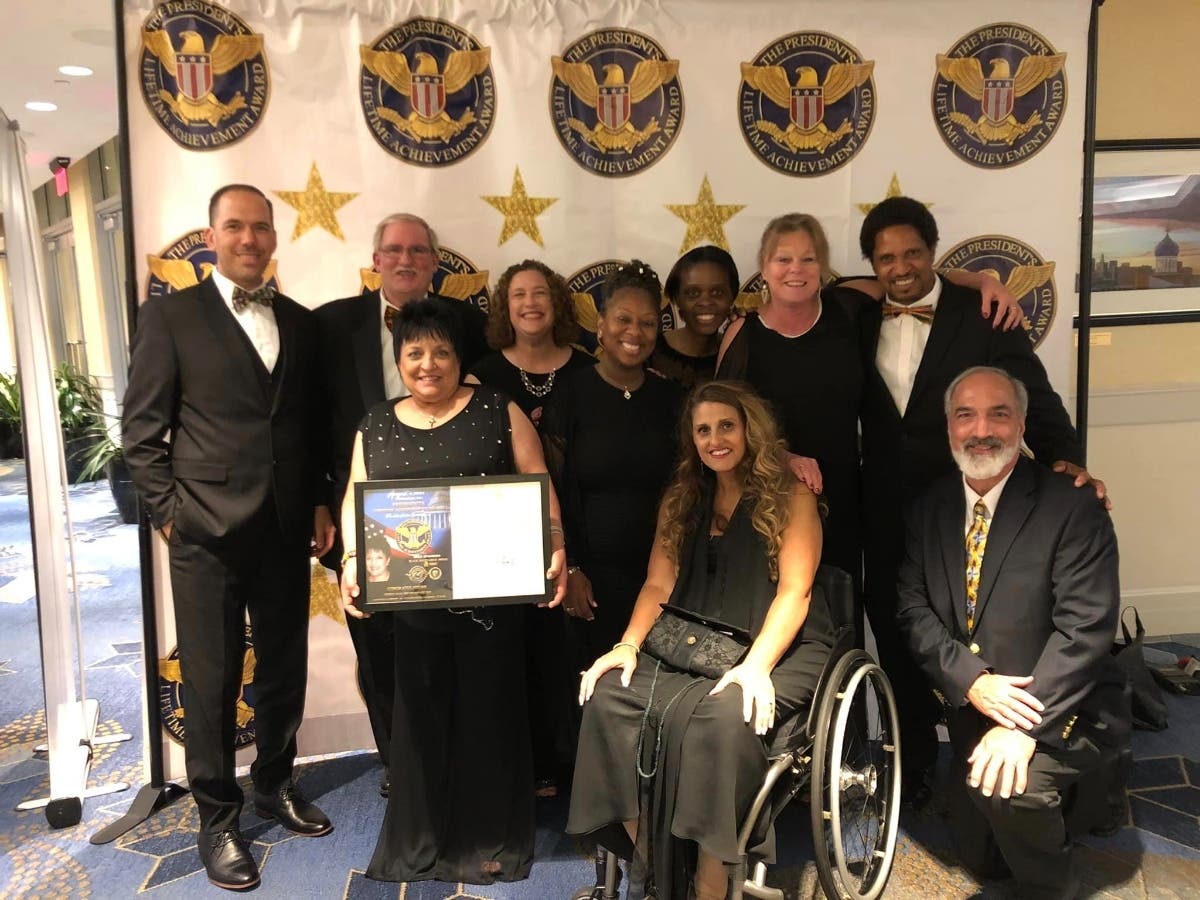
{"x": 389, "y": 316}
{"x": 922, "y": 313}
{"x": 241, "y": 297}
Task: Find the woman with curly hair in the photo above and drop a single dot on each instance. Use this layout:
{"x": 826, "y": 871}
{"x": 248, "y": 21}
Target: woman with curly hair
{"x": 530, "y": 326}
{"x": 737, "y": 544}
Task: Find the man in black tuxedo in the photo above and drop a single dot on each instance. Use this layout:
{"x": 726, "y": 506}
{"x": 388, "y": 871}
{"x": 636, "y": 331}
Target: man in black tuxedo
{"x": 921, "y": 337}
{"x": 1009, "y": 598}
{"x": 222, "y": 433}
{"x": 359, "y": 367}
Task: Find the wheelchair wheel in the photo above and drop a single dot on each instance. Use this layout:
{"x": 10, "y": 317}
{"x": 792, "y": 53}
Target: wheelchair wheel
{"x": 856, "y": 780}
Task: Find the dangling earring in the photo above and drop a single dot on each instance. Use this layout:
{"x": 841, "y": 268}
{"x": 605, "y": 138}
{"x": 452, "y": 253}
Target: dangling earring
{"x": 765, "y": 293}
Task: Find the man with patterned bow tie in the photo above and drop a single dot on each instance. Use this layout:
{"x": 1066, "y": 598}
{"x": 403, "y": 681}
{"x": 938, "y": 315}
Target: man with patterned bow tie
{"x": 920, "y": 338}
{"x": 222, "y": 433}
{"x": 359, "y": 367}
{"x": 1009, "y": 598}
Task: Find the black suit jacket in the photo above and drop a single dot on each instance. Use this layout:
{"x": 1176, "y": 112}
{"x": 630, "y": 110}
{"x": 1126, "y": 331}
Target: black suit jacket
{"x": 352, "y": 366}
{"x": 903, "y": 455}
{"x": 1048, "y": 605}
{"x": 239, "y": 436}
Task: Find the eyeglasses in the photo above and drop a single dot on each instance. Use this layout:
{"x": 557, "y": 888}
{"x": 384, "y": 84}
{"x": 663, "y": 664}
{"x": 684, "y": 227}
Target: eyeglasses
{"x": 395, "y": 251}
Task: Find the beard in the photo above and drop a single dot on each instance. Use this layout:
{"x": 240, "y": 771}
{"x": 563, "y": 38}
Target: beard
{"x": 981, "y": 468}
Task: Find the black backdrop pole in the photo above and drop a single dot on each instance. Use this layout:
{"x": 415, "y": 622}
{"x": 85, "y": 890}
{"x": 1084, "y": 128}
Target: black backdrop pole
{"x": 158, "y": 793}
{"x": 1084, "y": 319}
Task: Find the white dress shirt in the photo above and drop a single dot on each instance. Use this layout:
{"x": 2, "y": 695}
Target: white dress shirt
{"x": 393, "y": 384}
{"x": 256, "y": 319}
{"x": 990, "y": 499}
{"x": 900, "y": 347}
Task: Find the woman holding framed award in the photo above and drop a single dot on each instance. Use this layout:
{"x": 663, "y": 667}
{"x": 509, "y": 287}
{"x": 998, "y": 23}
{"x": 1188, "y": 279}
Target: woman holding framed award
{"x": 461, "y": 800}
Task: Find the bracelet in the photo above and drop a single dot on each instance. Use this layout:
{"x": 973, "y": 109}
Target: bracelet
{"x": 571, "y": 570}
{"x": 348, "y": 555}
{"x": 556, "y": 529}
{"x": 632, "y": 646}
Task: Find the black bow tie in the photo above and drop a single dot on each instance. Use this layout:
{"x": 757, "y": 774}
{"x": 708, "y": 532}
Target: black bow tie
{"x": 264, "y": 295}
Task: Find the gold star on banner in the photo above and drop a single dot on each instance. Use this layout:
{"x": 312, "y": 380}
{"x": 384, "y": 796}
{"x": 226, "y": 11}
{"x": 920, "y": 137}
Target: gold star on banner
{"x": 317, "y": 206}
{"x": 892, "y": 191}
{"x": 705, "y": 219}
{"x": 520, "y": 211}
{"x": 324, "y": 598}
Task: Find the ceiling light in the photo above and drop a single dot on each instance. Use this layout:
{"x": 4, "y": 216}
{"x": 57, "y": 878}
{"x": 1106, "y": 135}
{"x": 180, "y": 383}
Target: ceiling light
{"x": 75, "y": 71}
{"x": 41, "y": 106}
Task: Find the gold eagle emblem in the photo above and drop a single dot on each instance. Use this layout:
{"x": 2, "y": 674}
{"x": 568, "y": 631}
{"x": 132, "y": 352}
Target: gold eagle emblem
{"x": 614, "y": 99}
{"x": 457, "y": 285}
{"x": 412, "y": 537}
{"x": 181, "y": 274}
{"x": 427, "y": 89}
{"x": 194, "y": 67}
{"x": 170, "y": 670}
{"x": 997, "y": 92}
{"x": 806, "y": 101}
{"x": 1023, "y": 279}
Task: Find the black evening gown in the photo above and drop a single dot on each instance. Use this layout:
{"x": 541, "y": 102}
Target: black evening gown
{"x": 700, "y": 763}
{"x": 685, "y": 370}
{"x": 461, "y": 801}
{"x": 612, "y": 458}
{"x": 549, "y": 677}
{"x": 496, "y": 371}
{"x": 814, "y": 382}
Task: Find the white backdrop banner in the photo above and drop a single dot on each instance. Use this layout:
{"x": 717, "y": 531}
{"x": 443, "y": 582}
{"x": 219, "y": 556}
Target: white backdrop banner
{"x": 596, "y": 130}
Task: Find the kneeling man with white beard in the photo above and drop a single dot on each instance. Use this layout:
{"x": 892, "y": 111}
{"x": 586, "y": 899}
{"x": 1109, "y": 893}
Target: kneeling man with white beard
{"x": 1009, "y": 599}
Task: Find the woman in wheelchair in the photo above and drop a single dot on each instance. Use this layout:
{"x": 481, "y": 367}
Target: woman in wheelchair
{"x": 725, "y": 644}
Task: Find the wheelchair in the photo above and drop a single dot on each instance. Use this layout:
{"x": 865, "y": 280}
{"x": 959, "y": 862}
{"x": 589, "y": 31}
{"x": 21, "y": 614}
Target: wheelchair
{"x": 846, "y": 753}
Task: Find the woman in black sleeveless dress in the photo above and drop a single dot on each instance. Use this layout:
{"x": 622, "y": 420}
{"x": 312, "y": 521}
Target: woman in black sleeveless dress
{"x": 738, "y": 542}
{"x": 461, "y": 800}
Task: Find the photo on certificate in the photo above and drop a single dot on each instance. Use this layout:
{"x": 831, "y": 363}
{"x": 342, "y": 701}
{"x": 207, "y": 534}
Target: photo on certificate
{"x": 452, "y": 542}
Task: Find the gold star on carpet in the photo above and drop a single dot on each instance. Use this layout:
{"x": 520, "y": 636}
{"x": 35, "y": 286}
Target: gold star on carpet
{"x": 892, "y": 191}
{"x": 324, "y": 598}
{"x": 705, "y": 219}
{"x": 317, "y": 206}
{"x": 520, "y": 211}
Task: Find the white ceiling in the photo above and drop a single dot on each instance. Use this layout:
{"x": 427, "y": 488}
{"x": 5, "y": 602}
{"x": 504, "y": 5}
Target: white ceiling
{"x": 38, "y": 36}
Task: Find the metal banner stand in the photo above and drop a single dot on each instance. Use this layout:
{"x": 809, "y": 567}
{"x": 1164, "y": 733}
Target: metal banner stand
{"x": 70, "y": 719}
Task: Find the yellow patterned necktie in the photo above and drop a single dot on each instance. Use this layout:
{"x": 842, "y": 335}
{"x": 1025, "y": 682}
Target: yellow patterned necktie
{"x": 389, "y": 316}
{"x": 976, "y": 542}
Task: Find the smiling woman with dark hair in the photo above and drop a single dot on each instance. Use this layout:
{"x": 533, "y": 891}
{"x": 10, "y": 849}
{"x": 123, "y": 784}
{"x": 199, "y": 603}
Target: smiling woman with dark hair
{"x": 460, "y": 806}
{"x": 702, "y": 284}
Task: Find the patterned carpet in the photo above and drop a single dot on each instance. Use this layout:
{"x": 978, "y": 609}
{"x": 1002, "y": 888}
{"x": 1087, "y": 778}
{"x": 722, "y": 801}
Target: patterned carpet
{"x": 1156, "y": 855}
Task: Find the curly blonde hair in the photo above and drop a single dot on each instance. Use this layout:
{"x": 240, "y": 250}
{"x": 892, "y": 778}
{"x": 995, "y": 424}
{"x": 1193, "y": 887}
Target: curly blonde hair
{"x": 766, "y": 481}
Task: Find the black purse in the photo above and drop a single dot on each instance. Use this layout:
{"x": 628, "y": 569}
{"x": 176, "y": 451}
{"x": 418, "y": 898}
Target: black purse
{"x": 1148, "y": 705}
{"x": 684, "y": 640}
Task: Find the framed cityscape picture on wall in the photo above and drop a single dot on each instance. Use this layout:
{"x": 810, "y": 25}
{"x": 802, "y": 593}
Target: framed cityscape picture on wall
{"x": 1146, "y": 232}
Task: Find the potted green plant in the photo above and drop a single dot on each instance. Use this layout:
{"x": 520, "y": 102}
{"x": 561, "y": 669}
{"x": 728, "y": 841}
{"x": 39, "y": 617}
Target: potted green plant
{"x": 78, "y": 404}
{"x": 103, "y": 456}
{"x": 12, "y": 443}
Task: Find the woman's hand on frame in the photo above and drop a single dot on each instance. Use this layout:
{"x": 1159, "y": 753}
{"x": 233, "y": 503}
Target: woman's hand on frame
{"x": 558, "y": 574}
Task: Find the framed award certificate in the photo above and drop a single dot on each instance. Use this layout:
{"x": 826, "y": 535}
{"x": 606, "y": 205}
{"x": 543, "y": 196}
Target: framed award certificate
{"x": 453, "y": 542}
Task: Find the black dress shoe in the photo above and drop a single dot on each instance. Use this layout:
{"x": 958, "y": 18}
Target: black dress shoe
{"x": 227, "y": 860}
{"x": 385, "y": 785}
{"x": 293, "y": 812}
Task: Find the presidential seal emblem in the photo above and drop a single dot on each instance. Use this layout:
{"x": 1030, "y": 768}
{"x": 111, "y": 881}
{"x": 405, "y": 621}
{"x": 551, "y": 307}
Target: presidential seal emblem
{"x": 172, "y": 704}
{"x": 428, "y": 92}
{"x": 999, "y": 95}
{"x": 456, "y": 277}
{"x": 203, "y": 74}
{"x": 1019, "y": 268}
{"x": 807, "y": 103}
{"x": 186, "y": 262}
{"x": 615, "y": 101}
